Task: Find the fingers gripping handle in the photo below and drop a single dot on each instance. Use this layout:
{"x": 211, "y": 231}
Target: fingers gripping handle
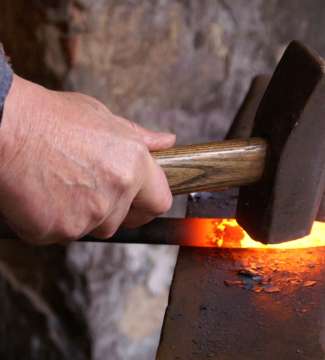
{"x": 206, "y": 167}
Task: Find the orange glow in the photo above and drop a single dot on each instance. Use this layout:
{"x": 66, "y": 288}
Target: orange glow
{"x": 265, "y": 270}
{"x": 226, "y": 233}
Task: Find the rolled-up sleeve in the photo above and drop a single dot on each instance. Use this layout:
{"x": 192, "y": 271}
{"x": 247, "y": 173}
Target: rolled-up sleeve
{"x": 6, "y": 76}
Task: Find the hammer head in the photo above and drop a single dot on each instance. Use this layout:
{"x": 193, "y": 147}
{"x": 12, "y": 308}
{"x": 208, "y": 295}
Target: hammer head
{"x": 291, "y": 117}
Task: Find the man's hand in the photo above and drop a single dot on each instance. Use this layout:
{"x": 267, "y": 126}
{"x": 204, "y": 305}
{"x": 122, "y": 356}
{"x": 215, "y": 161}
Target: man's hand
{"x": 69, "y": 167}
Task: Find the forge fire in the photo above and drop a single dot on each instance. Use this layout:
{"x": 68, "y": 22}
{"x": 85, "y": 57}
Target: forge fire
{"x": 226, "y": 233}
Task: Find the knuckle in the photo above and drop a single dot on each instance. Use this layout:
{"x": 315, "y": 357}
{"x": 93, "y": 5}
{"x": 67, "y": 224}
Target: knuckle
{"x": 68, "y": 230}
{"x": 99, "y": 208}
{"x": 126, "y": 180}
{"x": 139, "y": 150}
{"x": 168, "y": 203}
{"x": 134, "y": 223}
{"x": 99, "y": 106}
{"x": 128, "y": 174}
{"x": 94, "y": 103}
{"x": 132, "y": 125}
{"x": 137, "y": 159}
{"x": 105, "y": 232}
{"x": 163, "y": 205}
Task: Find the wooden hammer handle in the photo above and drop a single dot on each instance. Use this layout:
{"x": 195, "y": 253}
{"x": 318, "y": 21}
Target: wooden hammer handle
{"x": 214, "y": 166}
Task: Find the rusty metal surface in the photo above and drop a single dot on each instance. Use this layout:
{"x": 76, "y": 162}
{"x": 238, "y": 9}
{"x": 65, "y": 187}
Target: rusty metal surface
{"x": 242, "y": 304}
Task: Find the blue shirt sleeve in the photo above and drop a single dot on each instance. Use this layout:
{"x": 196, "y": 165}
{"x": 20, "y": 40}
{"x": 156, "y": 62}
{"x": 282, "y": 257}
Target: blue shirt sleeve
{"x": 6, "y": 76}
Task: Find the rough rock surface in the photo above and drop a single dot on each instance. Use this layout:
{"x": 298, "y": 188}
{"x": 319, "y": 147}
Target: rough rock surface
{"x": 182, "y": 65}
{"x": 41, "y": 306}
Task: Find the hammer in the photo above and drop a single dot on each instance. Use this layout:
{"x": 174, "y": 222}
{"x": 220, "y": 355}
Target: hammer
{"x": 280, "y": 169}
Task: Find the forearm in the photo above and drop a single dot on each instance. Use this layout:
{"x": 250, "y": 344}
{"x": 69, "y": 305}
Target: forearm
{"x": 6, "y": 76}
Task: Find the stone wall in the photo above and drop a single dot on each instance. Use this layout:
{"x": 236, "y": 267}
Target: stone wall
{"x": 179, "y": 65}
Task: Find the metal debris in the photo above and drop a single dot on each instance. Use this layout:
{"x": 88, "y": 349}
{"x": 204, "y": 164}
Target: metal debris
{"x": 249, "y": 272}
{"x": 271, "y": 289}
{"x": 268, "y": 278}
{"x": 233, "y": 282}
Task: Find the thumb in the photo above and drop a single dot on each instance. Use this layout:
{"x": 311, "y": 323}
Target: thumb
{"x": 154, "y": 140}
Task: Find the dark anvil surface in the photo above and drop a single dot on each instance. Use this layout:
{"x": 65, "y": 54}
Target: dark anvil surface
{"x": 281, "y": 319}
{"x": 245, "y": 304}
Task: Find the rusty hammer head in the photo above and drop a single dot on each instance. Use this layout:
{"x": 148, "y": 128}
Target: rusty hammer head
{"x": 291, "y": 117}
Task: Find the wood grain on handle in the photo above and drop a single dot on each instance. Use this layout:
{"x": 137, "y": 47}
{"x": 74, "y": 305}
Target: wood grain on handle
{"x": 214, "y": 166}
